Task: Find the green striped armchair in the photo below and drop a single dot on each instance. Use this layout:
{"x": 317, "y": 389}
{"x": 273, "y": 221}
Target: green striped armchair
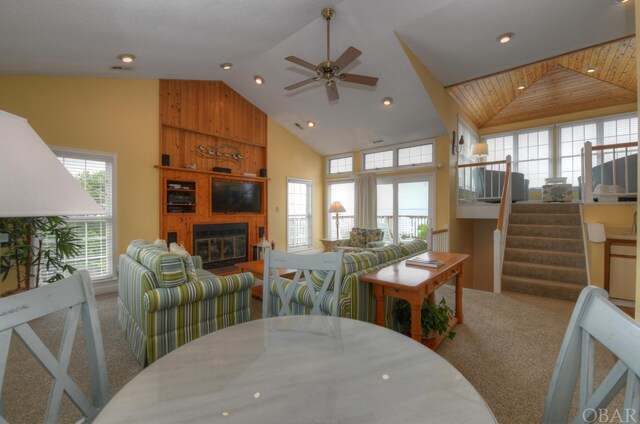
{"x": 161, "y": 306}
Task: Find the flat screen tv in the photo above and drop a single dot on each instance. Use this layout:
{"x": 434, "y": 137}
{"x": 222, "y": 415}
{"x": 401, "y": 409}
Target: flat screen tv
{"x": 232, "y": 196}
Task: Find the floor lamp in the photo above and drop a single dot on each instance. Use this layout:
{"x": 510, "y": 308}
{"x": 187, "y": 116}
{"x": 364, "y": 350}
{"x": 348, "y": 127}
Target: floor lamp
{"x": 336, "y": 207}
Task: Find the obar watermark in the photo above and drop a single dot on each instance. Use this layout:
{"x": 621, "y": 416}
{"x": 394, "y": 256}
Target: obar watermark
{"x": 605, "y": 415}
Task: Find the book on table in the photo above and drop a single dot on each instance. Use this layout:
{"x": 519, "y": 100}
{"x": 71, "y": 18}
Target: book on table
{"x": 429, "y": 263}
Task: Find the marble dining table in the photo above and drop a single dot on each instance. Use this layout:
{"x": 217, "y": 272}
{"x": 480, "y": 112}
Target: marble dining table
{"x": 299, "y": 369}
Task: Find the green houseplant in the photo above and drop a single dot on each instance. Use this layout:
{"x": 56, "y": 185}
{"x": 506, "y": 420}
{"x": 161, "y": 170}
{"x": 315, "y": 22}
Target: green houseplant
{"x": 422, "y": 230}
{"x": 37, "y": 244}
{"x": 434, "y": 318}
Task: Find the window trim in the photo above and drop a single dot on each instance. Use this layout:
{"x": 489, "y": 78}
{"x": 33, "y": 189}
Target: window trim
{"x": 394, "y": 152}
{"x": 106, "y": 157}
{"x": 342, "y": 156}
{"x": 309, "y": 212}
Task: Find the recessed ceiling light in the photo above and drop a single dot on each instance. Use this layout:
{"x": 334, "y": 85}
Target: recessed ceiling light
{"x": 591, "y": 70}
{"x": 258, "y": 79}
{"x": 387, "y": 101}
{"x": 622, "y": 1}
{"x": 522, "y": 86}
{"x": 505, "y": 38}
{"x": 226, "y": 66}
{"x": 311, "y": 124}
{"x": 126, "y": 57}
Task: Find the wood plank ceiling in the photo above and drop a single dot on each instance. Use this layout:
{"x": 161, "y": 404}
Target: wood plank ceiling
{"x": 552, "y": 87}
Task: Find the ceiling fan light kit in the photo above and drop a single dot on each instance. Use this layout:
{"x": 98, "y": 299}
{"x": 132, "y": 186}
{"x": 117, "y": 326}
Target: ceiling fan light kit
{"x": 328, "y": 71}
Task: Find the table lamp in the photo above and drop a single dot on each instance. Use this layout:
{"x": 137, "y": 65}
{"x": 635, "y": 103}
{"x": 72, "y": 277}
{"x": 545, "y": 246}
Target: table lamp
{"x": 480, "y": 150}
{"x": 336, "y": 207}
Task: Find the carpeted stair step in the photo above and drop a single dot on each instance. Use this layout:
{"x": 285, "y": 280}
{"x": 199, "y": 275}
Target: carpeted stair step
{"x": 555, "y": 289}
{"x": 545, "y": 257}
{"x": 562, "y": 231}
{"x": 545, "y": 208}
{"x": 546, "y": 243}
{"x": 545, "y": 219}
{"x": 544, "y": 272}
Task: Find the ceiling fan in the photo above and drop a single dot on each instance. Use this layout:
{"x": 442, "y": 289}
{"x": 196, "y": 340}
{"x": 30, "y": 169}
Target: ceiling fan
{"x": 331, "y": 71}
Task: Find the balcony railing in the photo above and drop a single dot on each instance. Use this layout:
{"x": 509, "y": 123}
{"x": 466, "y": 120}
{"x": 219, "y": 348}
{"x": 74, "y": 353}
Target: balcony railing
{"x": 299, "y": 231}
{"x": 409, "y": 226}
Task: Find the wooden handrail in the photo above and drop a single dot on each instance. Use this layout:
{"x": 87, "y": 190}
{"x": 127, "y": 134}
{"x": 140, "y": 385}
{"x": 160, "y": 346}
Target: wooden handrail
{"x": 443, "y": 230}
{"x": 503, "y": 200}
{"x": 614, "y": 146}
{"x": 467, "y": 165}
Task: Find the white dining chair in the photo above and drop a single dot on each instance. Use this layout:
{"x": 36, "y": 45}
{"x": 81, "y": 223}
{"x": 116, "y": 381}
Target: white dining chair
{"x": 75, "y": 295}
{"x": 328, "y": 267}
{"x": 595, "y": 318}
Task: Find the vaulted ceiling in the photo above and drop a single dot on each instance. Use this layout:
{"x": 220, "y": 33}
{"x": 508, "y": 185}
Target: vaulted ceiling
{"x": 553, "y": 87}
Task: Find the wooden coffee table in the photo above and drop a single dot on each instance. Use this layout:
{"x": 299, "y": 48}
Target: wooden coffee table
{"x": 413, "y": 283}
{"x": 257, "y": 269}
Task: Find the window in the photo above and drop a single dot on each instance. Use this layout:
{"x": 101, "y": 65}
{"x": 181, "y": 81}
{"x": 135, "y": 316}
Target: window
{"x": 530, "y": 152}
{"x": 378, "y": 160}
{"x": 299, "y": 224}
{"x": 604, "y": 131}
{"x": 405, "y": 206}
{"x": 343, "y": 191}
{"x": 340, "y": 165}
{"x": 415, "y": 155}
{"x": 470, "y": 137}
{"x": 96, "y": 173}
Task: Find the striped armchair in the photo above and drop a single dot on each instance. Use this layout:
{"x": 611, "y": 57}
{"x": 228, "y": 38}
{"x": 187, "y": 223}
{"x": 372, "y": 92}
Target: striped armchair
{"x": 161, "y": 306}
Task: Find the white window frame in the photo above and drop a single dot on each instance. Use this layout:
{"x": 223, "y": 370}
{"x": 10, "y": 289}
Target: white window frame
{"x": 103, "y": 157}
{"x": 515, "y": 159}
{"x": 394, "y": 152}
{"x": 309, "y": 184}
{"x": 470, "y": 138}
{"x": 599, "y": 141}
{"x": 329, "y": 222}
{"x": 335, "y": 157}
{"x": 395, "y": 180}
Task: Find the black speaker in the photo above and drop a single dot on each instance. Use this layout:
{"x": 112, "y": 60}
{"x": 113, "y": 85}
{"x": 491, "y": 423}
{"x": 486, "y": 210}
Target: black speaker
{"x": 255, "y": 253}
{"x": 263, "y": 173}
{"x": 260, "y": 232}
{"x": 172, "y": 237}
{"x": 166, "y": 160}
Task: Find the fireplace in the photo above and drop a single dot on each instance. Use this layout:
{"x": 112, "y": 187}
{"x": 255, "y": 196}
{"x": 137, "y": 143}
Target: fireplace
{"x": 220, "y": 245}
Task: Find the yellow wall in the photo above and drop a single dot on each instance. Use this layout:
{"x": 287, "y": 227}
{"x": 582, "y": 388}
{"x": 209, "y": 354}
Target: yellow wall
{"x": 102, "y": 114}
{"x": 288, "y": 157}
{"x": 637, "y": 10}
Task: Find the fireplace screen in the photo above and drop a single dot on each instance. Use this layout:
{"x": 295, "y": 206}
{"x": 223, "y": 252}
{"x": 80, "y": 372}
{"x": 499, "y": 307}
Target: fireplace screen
{"x": 218, "y": 249}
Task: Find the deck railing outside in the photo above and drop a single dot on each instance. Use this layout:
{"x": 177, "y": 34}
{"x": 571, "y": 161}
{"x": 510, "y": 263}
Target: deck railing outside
{"x": 409, "y": 226}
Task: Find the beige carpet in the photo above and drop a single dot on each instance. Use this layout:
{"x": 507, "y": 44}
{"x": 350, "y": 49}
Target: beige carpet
{"x": 506, "y": 348}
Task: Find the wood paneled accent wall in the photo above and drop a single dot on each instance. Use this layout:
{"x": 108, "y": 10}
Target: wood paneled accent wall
{"x": 212, "y": 115}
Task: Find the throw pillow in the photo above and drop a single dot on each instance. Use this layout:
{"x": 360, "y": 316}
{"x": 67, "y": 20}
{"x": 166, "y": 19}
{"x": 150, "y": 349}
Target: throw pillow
{"x": 161, "y": 244}
{"x": 189, "y": 268}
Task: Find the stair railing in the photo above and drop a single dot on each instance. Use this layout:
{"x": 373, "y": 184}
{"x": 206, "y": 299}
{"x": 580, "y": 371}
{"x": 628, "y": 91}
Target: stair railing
{"x": 439, "y": 239}
{"x": 500, "y": 233}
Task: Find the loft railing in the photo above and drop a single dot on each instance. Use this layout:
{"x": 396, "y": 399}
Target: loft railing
{"x": 609, "y": 172}
{"x": 481, "y": 182}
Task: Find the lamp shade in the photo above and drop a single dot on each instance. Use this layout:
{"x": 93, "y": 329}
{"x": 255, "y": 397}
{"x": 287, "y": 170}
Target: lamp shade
{"x": 479, "y": 149}
{"x": 33, "y": 182}
{"x": 336, "y": 207}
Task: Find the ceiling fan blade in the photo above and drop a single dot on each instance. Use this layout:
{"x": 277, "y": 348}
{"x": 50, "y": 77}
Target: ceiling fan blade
{"x": 332, "y": 91}
{"x": 301, "y": 62}
{"x": 347, "y": 57}
{"x": 359, "y": 79}
{"x": 301, "y": 83}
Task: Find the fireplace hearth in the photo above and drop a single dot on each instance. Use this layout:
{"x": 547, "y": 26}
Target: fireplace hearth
{"x": 220, "y": 245}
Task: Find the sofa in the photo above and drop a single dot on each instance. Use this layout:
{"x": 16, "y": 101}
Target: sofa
{"x": 360, "y": 239}
{"x": 488, "y": 185}
{"x": 356, "y": 300}
{"x": 162, "y": 304}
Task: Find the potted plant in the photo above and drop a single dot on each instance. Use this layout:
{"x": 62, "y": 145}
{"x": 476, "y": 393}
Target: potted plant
{"x": 434, "y": 318}
{"x": 422, "y": 231}
{"x": 36, "y": 244}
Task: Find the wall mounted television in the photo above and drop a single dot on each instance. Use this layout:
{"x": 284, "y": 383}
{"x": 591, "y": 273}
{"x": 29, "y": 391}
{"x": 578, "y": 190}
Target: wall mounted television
{"x": 233, "y": 196}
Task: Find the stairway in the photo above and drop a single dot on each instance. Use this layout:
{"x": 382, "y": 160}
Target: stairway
{"x": 544, "y": 252}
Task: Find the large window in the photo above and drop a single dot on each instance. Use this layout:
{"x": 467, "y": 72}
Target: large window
{"x": 530, "y": 152}
{"x": 378, "y": 160}
{"x": 344, "y": 192}
{"x": 418, "y": 153}
{"x": 405, "y": 206}
{"x": 299, "y": 224}
{"x": 96, "y": 173}
{"x": 604, "y": 131}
